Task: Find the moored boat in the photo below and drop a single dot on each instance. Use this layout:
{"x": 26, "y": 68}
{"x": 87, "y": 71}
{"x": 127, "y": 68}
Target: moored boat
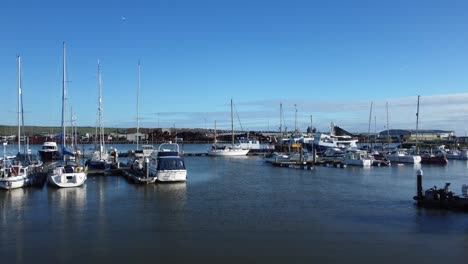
{"x": 66, "y": 173}
{"x": 49, "y": 152}
{"x": 440, "y": 198}
{"x": 167, "y": 165}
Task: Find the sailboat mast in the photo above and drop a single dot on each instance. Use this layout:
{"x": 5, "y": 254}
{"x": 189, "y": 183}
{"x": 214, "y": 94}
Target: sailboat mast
{"x": 19, "y": 104}
{"x": 64, "y": 81}
{"x": 295, "y": 119}
{"x": 232, "y": 124}
{"x": 417, "y": 123}
{"x": 138, "y": 107}
{"x": 370, "y": 118}
{"x": 281, "y": 120}
{"x": 215, "y": 135}
{"x": 72, "y": 129}
{"x": 388, "y": 128}
{"x": 101, "y": 127}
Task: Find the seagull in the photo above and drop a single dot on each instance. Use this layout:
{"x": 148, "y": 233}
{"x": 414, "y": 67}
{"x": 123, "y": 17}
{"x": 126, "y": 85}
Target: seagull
{"x": 123, "y": 18}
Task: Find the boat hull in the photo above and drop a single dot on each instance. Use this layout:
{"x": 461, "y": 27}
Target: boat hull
{"x": 171, "y": 175}
{"x": 230, "y": 152}
{"x": 14, "y": 182}
{"x": 67, "y": 180}
{"x": 362, "y": 163}
{"x": 404, "y": 159}
{"x": 48, "y": 156}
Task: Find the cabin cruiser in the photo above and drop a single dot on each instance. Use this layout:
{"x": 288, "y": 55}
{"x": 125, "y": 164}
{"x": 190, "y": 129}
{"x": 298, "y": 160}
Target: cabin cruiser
{"x": 323, "y": 141}
{"x": 49, "y": 152}
{"x": 166, "y": 164}
{"x": 357, "y": 158}
{"x": 456, "y": 154}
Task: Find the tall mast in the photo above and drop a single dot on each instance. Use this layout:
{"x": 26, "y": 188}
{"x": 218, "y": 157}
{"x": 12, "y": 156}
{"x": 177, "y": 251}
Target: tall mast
{"x": 64, "y": 81}
{"x": 138, "y": 106}
{"x": 281, "y": 120}
{"x": 72, "y": 129}
{"x": 215, "y": 140}
{"x": 295, "y": 118}
{"x": 417, "y": 123}
{"x": 370, "y": 118}
{"x": 388, "y": 128}
{"x": 101, "y": 126}
{"x": 232, "y": 124}
{"x": 19, "y": 104}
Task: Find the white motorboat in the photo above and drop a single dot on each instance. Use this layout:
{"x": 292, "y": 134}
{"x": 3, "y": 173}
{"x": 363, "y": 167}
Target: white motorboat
{"x": 357, "y": 158}
{"x": 66, "y": 173}
{"x": 166, "y": 164}
{"x": 276, "y": 157}
{"x": 49, "y": 152}
{"x": 323, "y": 141}
{"x": 457, "y": 154}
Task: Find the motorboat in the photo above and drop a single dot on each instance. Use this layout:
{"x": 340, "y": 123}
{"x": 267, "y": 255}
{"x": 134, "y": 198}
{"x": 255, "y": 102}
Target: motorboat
{"x": 167, "y": 165}
{"x": 324, "y": 141}
{"x": 49, "y": 152}
{"x": 357, "y": 158}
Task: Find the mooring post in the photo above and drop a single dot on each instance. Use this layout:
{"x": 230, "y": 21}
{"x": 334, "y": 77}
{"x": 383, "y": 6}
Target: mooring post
{"x": 419, "y": 191}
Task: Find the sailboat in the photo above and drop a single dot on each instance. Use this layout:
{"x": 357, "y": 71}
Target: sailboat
{"x": 227, "y": 150}
{"x": 66, "y": 173}
{"x": 428, "y": 157}
{"x": 399, "y": 155}
{"x": 100, "y": 162}
{"x": 13, "y": 174}
{"x": 135, "y": 159}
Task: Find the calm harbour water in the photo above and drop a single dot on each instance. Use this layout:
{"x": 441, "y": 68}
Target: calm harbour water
{"x": 238, "y": 210}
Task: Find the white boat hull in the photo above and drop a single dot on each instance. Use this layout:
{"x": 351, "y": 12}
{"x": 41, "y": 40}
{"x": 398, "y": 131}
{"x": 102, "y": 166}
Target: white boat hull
{"x": 356, "y": 162}
{"x": 14, "y": 182}
{"x": 404, "y": 158}
{"x": 228, "y": 152}
{"x": 171, "y": 175}
{"x": 66, "y": 180}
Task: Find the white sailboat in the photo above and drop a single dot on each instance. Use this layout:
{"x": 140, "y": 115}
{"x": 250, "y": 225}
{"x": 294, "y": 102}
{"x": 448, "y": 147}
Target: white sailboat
{"x": 228, "y": 150}
{"x": 100, "y": 162}
{"x": 135, "y": 159}
{"x": 13, "y": 174}
{"x": 66, "y": 173}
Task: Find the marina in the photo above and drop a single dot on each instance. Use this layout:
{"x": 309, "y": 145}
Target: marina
{"x": 231, "y": 207}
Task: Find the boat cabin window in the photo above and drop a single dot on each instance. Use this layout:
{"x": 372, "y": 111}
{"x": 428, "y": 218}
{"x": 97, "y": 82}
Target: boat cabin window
{"x": 171, "y": 164}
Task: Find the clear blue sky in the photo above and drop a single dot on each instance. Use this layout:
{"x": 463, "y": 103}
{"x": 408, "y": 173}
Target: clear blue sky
{"x": 330, "y": 58}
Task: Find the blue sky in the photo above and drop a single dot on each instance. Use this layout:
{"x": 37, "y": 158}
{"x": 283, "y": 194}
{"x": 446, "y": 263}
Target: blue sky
{"x": 329, "y": 58}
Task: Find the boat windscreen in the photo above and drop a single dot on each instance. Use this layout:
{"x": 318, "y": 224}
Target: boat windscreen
{"x": 171, "y": 164}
